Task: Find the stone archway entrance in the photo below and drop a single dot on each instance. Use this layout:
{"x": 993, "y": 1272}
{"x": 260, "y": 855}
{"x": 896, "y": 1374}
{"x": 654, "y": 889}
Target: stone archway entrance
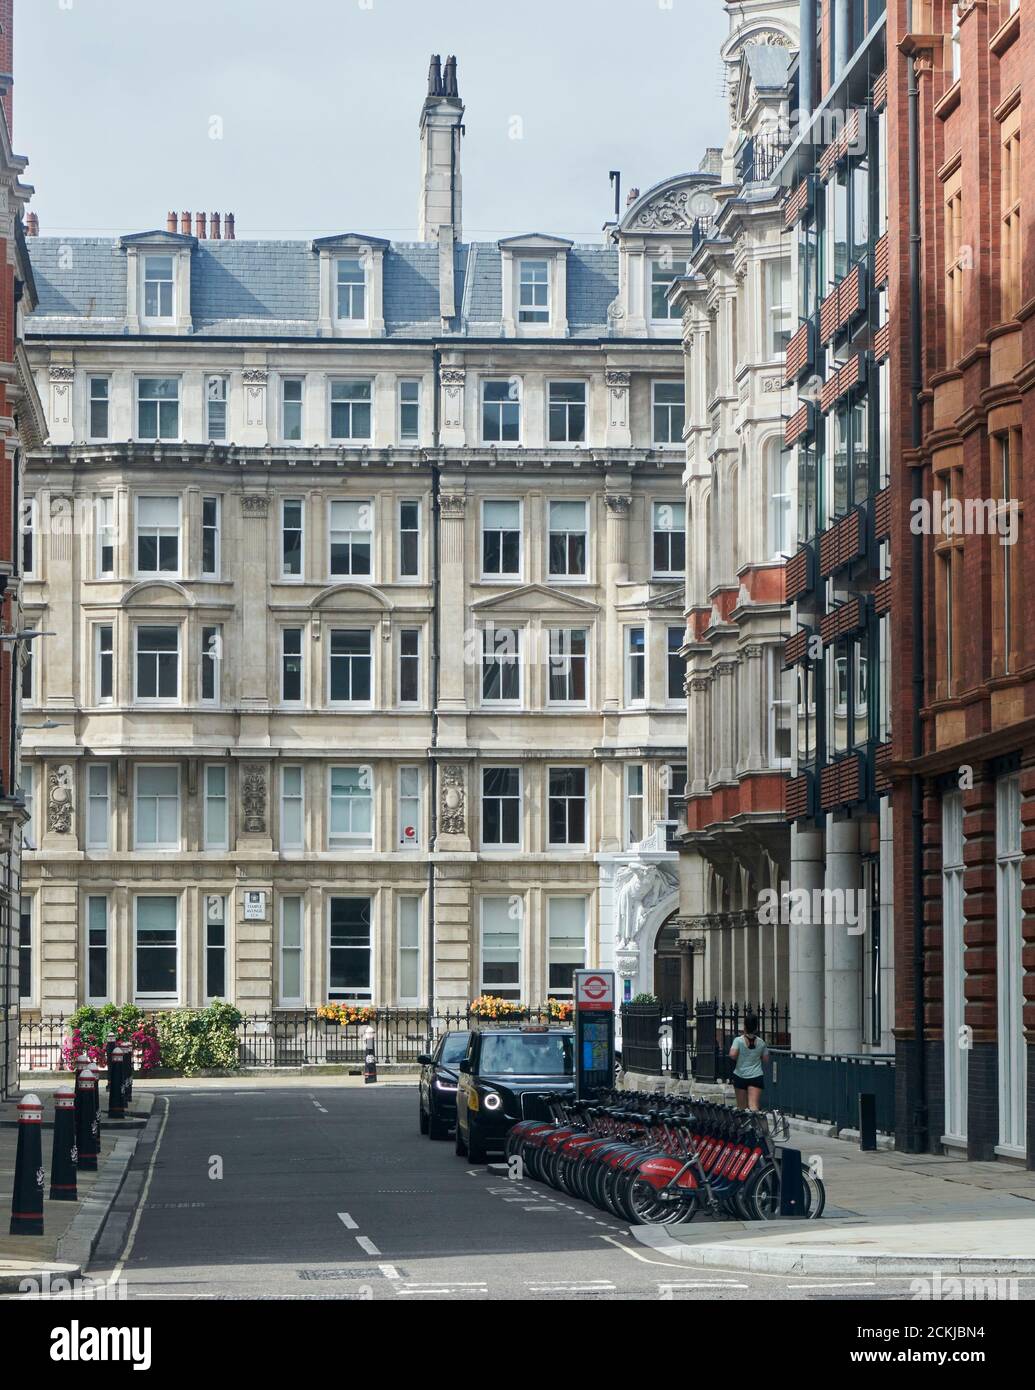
{"x": 673, "y": 966}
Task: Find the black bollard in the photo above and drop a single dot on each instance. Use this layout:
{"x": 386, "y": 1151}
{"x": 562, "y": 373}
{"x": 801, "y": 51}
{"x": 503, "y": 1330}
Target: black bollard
{"x": 62, "y": 1168}
{"x": 87, "y": 1124}
{"x": 116, "y": 1071}
{"x": 369, "y": 1057}
{"x": 792, "y": 1189}
{"x": 27, "y": 1198}
{"x": 867, "y": 1121}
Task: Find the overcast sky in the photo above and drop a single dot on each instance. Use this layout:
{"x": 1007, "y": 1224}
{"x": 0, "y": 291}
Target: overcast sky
{"x": 116, "y": 102}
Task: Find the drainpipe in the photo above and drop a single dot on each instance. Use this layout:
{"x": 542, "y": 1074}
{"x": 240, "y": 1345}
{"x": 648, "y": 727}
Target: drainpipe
{"x": 842, "y": 37}
{"x": 916, "y": 439}
{"x": 436, "y": 360}
{"x": 806, "y": 56}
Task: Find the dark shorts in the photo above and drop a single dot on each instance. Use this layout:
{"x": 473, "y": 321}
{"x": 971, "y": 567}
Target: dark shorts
{"x": 741, "y": 1083}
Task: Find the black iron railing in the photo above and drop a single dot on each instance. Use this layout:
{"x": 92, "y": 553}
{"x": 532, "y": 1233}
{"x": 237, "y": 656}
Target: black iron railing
{"x": 827, "y": 1086}
{"x": 300, "y": 1037}
{"x": 716, "y": 1024}
{"x": 759, "y": 157}
{"x": 641, "y": 1038}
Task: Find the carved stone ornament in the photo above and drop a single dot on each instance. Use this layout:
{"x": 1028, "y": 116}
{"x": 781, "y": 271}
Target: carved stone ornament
{"x": 253, "y": 799}
{"x": 255, "y": 504}
{"x": 452, "y": 811}
{"x": 59, "y": 800}
{"x": 453, "y": 376}
{"x": 255, "y": 376}
{"x": 62, "y": 374}
{"x": 617, "y": 381}
{"x": 617, "y": 503}
{"x": 452, "y": 504}
{"x": 639, "y": 887}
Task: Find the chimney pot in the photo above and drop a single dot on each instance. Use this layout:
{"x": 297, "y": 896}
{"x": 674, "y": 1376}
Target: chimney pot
{"x": 199, "y": 225}
{"x": 185, "y": 223}
{"x": 228, "y": 227}
{"x": 631, "y": 197}
{"x": 213, "y": 226}
{"x": 170, "y": 222}
{"x": 32, "y": 225}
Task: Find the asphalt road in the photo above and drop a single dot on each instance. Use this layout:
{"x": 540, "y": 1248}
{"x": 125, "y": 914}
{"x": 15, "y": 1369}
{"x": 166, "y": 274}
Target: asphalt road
{"x": 333, "y": 1193}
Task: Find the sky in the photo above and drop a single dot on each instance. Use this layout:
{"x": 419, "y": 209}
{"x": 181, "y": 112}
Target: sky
{"x": 301, "y": 116}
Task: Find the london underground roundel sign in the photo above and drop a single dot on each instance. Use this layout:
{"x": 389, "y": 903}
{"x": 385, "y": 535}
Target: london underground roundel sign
{"x": 594, "y": 989}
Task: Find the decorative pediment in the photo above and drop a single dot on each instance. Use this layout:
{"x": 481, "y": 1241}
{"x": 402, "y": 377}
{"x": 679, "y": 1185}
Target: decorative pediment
{"x": 671, "y": 206}
{"x": 534, "y": 598}
{"x": 351, "y": 596}
{"x": 172, "y": 241}
{"x": 349, "y": 241}
{"x": 668, "y": 598}
{"x": 671, "y": 597}
{"x": 534, "y": 241}
{"x": 157, "y": 593}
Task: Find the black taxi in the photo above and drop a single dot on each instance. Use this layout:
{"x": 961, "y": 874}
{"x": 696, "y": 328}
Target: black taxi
{"x": 505, "y": 1076}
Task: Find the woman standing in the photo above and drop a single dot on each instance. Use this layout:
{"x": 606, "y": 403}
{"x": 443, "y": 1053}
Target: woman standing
{"x": 747, "y": 1055}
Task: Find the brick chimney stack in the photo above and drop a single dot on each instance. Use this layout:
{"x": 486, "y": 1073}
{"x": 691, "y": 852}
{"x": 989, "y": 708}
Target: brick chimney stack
{"x": 213, "y": 226}
{"x": 7, "y": 59}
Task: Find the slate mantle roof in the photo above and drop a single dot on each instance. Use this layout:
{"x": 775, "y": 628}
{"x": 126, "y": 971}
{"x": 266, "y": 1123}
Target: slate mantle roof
{"x": 271, "y": 288}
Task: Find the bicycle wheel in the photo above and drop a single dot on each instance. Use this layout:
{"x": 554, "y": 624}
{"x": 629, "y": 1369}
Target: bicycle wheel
{"x": 638, "y": 1200}
{"x": 815, "y": 1193}
{"x": 762, "y": 1198}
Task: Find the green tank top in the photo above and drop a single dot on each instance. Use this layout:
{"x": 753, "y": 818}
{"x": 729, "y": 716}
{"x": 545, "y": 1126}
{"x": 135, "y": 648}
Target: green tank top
{"x": 748, "y": 1062}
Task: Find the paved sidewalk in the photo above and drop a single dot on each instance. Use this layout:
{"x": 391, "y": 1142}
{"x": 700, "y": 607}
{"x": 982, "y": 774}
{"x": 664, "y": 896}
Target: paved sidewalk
{"x": 886, "y": 1213}
{"x": 65, "y": 1224}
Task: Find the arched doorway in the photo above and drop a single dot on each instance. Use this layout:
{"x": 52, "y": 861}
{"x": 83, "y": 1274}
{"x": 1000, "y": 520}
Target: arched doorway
{"x": 671, "y": 966}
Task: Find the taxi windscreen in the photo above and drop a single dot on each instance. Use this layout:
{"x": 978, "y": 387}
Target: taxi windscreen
{"x": 527, "y": 1054}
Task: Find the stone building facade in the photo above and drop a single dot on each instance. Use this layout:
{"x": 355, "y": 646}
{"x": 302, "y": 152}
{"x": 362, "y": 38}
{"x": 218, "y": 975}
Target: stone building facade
{"x": 365, "y": 564}
{"x": 737, "y": 319}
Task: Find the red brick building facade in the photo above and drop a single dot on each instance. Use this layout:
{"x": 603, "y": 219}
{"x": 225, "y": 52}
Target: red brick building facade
{"x": 963, "y": 422}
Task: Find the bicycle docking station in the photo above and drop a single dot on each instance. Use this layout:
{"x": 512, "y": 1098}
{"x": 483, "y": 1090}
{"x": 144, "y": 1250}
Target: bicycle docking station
{"x": 792, "y": 1194}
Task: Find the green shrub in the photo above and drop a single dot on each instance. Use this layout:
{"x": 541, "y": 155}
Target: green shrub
{"x": 192, "y": 1039}
{"x": 645, "y": 999}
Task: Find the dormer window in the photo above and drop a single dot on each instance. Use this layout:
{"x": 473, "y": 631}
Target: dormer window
{"x": 158, "y": 282}
{"x": 663, "y": 272}
{"x": 534, "y": 271}
{"x": 534, "y": 292}
{"x": 352, "y": 283}
{"x": 158, "y": 287}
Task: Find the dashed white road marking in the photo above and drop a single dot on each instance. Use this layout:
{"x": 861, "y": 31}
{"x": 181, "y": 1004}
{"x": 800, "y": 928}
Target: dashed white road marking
{"x": 389, "y": 1271}
{"x": 468, "y": 1290}
{"x": 573, "y": 1286}
{"x": 319, "y": 1107}
{"x": 365, "y": 1243}
{"x": 701, "y": 1284}
{"x": 854, "y": 1284}
{"x": 347, "y": 1221}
